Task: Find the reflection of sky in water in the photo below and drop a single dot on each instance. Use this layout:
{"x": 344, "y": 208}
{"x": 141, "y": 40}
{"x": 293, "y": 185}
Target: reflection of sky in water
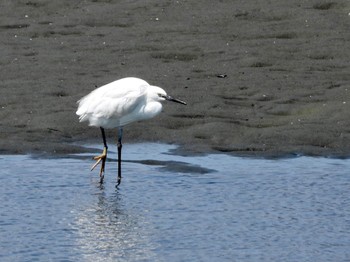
{"x": 107, "y": 232}
{"x": 174, "y": 208}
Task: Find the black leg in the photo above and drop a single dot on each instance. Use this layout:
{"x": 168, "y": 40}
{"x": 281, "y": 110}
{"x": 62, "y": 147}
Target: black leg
{"x": 104, "y": 137}
{"x": 101, "y": 158}
{"x": 120, "y": 135}
{"x": 104, "y": 151}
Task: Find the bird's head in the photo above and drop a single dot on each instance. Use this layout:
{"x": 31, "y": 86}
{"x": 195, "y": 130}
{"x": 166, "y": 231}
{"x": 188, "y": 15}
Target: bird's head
{"x": 159, "y": 94}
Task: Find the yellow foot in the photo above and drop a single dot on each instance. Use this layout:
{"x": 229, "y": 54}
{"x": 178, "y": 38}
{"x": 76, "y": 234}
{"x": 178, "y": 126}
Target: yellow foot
{"x": 101, "y": 159}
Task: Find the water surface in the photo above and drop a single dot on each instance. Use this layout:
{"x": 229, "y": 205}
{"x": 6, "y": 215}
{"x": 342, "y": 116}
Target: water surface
{"x": 174, "y": 208}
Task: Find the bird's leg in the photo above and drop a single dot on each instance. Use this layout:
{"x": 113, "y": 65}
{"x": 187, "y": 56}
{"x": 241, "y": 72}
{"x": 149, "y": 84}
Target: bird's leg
{"x": 120, "y": 135}
{"x": 101, "y": 158}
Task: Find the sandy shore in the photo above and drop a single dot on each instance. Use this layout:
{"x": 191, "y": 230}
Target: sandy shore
{"x": 258, "y": 78}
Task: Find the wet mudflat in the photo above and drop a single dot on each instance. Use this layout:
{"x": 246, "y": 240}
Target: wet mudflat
{"x": 258, "y": 78}
{"x": 174, "y": 208}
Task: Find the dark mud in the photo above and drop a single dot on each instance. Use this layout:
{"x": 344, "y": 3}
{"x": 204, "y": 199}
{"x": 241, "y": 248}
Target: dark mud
{"x": 259, "y": 78}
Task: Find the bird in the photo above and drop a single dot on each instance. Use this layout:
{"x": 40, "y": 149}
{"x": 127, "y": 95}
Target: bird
{"x": 118, "y": 104}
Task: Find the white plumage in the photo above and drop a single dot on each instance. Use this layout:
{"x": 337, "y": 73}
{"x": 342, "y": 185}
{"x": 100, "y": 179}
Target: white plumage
{"x": 118, "y": 104}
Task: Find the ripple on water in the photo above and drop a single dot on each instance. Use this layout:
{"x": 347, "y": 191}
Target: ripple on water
{"x": 174, "y": 208}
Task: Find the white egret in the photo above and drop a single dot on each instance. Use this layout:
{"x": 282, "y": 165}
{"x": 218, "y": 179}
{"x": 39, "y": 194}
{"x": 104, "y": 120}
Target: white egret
{"x": 117, "y": 104}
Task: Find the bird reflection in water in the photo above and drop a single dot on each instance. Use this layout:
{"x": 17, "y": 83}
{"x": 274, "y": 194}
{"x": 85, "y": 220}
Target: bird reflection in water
{"x": 107, "y": 231}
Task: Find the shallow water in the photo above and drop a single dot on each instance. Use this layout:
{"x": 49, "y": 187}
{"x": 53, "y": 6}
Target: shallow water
{"x": 174, "y": 208}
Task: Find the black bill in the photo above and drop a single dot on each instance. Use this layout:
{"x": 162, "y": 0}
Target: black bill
{"x": 169, "y": 98}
